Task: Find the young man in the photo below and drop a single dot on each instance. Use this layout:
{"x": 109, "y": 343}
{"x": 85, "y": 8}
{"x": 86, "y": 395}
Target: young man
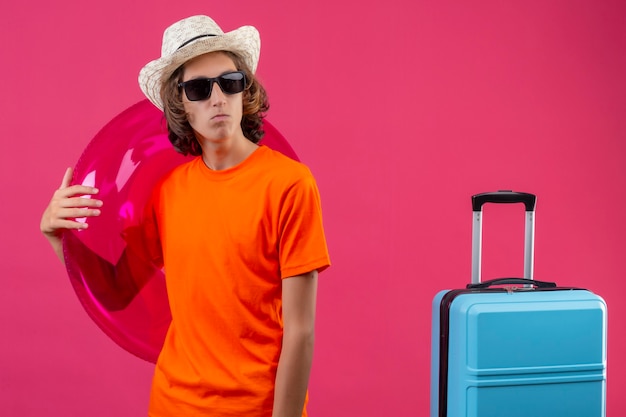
{"x": 238, "y": 230}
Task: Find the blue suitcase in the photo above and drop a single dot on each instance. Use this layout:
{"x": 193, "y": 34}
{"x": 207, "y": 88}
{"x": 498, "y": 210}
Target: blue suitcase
{"x": 517, "y": 347}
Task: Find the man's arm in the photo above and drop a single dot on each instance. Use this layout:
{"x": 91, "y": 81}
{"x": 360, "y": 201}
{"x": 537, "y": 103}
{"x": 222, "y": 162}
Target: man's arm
{"x": 114, "y": 286}
{"x": 294, "y": 366}
{"x": 67, "y": 203}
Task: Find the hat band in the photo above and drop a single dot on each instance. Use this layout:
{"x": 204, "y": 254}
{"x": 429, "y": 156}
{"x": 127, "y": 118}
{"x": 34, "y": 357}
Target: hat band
{"x": 193, "y": 39}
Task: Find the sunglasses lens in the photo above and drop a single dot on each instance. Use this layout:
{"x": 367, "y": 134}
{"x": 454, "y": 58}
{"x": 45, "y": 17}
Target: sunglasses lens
{"x": 198, "y": 89}
{"x": 232, "y": 83}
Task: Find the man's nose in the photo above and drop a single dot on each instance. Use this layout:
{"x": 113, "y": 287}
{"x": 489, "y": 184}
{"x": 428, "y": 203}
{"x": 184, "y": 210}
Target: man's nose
{"x": 217, "y": 95}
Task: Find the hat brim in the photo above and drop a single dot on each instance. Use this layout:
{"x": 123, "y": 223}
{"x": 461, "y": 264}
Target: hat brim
{"x": 244, "y": 42}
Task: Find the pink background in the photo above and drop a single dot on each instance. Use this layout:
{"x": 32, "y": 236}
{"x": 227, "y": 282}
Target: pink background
{"x": 402, "y": 109}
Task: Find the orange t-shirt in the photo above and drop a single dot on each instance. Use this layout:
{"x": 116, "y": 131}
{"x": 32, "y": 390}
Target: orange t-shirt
{"x": 227, "y": 238}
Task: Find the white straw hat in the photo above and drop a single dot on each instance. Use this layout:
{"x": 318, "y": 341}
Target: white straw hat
{"x": 192, "y": 37}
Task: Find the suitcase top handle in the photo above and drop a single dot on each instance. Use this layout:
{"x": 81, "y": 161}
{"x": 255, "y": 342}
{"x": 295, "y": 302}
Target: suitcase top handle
{"x": 512, "y": 281}
{"x": 504, "y": 197}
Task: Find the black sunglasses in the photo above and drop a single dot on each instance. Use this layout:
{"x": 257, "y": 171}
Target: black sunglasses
{"x": 200, "y": 88}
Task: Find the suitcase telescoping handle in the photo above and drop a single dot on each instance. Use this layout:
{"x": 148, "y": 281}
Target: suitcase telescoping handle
{"x": 503, "y": 197}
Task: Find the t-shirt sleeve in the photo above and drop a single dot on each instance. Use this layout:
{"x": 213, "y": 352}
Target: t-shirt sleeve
{"x": 302, "y": 242}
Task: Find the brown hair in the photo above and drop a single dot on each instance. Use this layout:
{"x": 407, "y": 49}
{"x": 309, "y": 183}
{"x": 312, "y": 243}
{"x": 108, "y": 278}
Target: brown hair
{"x": 180, "y": 132}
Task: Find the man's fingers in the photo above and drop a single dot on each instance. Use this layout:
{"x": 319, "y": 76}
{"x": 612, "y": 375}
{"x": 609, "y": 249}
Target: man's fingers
{"x": 75, "y": 191}
{"x": 69, "y": 224}
{"x": 74, "y": 212}
{"x": 65, "y": 217}
{"x": 67, "y": 178}
{"x": 80, "y": 202}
